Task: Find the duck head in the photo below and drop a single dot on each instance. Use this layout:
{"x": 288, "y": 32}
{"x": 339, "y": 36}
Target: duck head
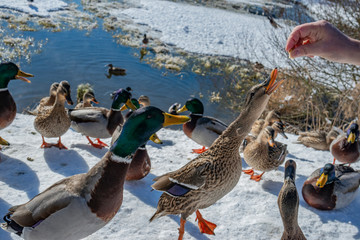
{"x": 269, "y": 134}
{"x": 290, "y": 170}
{"x": 64, "y": 89}
{"x": 122, "y": 96}
{"x": 259, "y": 95}
{"x": 53, "y": 88}
{"x": 279, "y": 127}
{"x": 89, "y": 96}
{"x": 192, "y": 105}
{"x": 133, "y": 101}
{"x": 353, "y": 133}
{"x": 144, "y": 100}
{"x": 140, "y": 126}
{"x": 9, "y": 71}
{"x": 327, "y": 175}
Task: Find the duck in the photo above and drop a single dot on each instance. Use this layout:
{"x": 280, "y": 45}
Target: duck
{"x": 116, "y": 70}
{"x": 271, "y": 117}
{"x": 53, "y": 122}
{"x": 319, "y": 140}
{"x": 211, "y": 175}
{"x": 145, "y": 40}
{"x": 48, "y": 101}
{"x": 79, "y": 205}
{"x": 100, "y": 122}
{"x": 288, "y": 203}
{"x": 8, "y": 72}
{"x": 81, "y": 89}
{"x": 264, "y": 154}
{"x": 345, "y": 148}
{"x": 331, "y": 187}
{"x": 87, "y": 100}
{"x": 201, "y": 129}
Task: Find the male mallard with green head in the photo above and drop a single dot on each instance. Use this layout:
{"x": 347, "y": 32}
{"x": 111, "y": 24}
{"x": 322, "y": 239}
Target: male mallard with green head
{"x": 346, "y": 147}
{"x": 78, "y": 206}
{"x": 331, "y": 187}
{"x": 214, "y": 173}
{"x": 288, "y": 202}
{"x": 8, "y": 71}
{"x": 202, "y": 129}
{"x": 264, "y": 154}
{"x": 53, "y": 122}
{"x": 99, "y": 122}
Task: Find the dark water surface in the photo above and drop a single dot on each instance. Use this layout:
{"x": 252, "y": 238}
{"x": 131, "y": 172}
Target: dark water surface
{"x": 74, "y": 56}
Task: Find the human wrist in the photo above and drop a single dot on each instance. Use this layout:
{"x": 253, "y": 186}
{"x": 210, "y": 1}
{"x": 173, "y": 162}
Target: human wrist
{"x": 352, "y": 52}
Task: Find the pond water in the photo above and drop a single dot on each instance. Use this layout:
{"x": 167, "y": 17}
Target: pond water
{"x": 80, "y": 57}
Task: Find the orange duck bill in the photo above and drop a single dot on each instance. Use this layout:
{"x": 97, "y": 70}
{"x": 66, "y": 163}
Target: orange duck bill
{"x": 270, "y": 85}
{"x": 22, "y": 76}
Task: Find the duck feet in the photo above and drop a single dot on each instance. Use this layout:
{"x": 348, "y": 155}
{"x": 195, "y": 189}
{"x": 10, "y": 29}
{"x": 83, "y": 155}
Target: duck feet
{"x": 95, "y": 145}
{"x": 101, "y": 143}
{"x": 205, "y": 226}
{"x": 181, "y": 229}
{"x": 45, "y": 144}
{"x": 199, "y": 151}
{"x": 249, "y": 171}
{"x": 256, "y": 177}
{"x": 60, "y": 145}
{"x": 3, "y": 141}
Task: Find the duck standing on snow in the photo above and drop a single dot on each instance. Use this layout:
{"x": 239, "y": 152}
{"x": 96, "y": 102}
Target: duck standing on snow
{"x": 53, "y": 122}
{"x": 78, "y": 206}
{"x": 8, "y": 71}
{"x": 346, "y": 147}
{"x": 331, "y": 187}
{"x": 99, "y": 122}
{"x": 214, "y": 173}
{"x": 203, "y": 130}
{"x": 319, "y": 140}
{"x": 264, "y": 154}
{"x": 288, "y": 202}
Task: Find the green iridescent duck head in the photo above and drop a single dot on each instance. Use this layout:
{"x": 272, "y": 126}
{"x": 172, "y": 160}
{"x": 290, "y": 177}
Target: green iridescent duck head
{"x": 192, "y": 105}
{"x": 9, "y": 71}
{"x": 122, "y": 96}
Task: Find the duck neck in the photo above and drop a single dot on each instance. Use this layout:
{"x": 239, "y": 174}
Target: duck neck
{"x": 115, "y": 118}
{"x": 4, "y": 81}
{"x": 59, "y": 100}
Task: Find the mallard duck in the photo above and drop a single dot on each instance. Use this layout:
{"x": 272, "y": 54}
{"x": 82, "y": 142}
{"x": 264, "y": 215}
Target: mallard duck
{"x": 345, "y": 148}
{"x": 87, "y": 100}
{"x": 203, "y": 130}
{"x": 99, "y": 122}
{"x": 47, "y": 102}
{"x": 264, "y": 154}
{"x": 145, "y": 40}
{"x": 8, "y": 71}
{"x": 319, "y": 140}
{"x": 54, "y": 121}
{"x": 116, "y": 70}
{"x": 331, "y": 187}
{"x": 81, "y": 89}
{"x": 288, "y": 202}
{"x": 78, "y": 206}
{"x": 214, "y": 173}
{"x": 260, "y": 124}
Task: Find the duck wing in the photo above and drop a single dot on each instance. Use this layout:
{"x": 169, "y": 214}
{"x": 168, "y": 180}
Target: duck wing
{"x": 212, "y": 124}
{"x": 91, "y": 114}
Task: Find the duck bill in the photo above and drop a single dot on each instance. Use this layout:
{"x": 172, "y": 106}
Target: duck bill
{"x": 123, "y": 108}
{"x": 94, "y": 101}
{"x": 130, "y": 105}
{"x": 282, "y": 133}
{"x": 270, "y": 85}
{"x": 23, "y": 76}
{"x": 183, "y": 109}
{"x": 290, "y": 170}
{"x": 69, "y": 100}
{"x": 155, "y": 139}
{"x": 170, "y": 119}
{"x": 322, "y": 180}
{"x": 351, "y": 138}
{"x": 271, "y": 142}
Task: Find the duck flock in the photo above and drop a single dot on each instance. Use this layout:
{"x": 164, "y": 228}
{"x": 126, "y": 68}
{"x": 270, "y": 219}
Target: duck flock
{"x": 79, "y": 205}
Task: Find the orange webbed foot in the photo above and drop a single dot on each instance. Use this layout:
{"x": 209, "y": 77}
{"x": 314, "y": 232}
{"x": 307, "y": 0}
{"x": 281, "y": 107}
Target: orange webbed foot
{"x": 45, "y": 144}
{"x": 60, "y": 145}
{"x": 256, "y": 177}
{"x": 248, "y": 171}
{"x": 181, "y": 229}
{"x": 95, "y": 145}
{"x": 200, "y": 150}
{"x": 101, "y": 143}
{"x": 204, "y": 225}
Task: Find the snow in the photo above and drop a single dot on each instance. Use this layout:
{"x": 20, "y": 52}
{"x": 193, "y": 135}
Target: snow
{"x": 38, "y": 7}
{"x": 249, "y": 211}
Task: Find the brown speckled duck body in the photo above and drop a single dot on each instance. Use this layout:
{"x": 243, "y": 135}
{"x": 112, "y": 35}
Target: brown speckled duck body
{"x": 53, "y": 122}
{"x": 331, "y": 187}
{"x": 346, "y": 147}
{"x": 288, "y": 202}
{"x": 214, "y": 173}
{"x": 319, "y": 140}
{"x": 8, "y": 72}
{"x": 77, "y": 206}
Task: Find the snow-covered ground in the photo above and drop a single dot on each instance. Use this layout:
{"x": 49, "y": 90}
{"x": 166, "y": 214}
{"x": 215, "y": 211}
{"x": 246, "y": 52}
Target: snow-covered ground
{"x": 249, "y": 211}
{"x": 38, "y": 7}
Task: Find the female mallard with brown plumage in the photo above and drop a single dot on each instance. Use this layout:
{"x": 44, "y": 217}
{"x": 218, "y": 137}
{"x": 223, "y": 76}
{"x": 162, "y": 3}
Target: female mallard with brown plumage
{"x": 77, "y": 206}
{"x": 331, "y": 187}
{"x": 203, "y": 130}
{"x": 288, "y": 202}
{"x": 53, "y": 122}
{"x": 8, "y": 71}
{"x": 260, "y": 124}
{"x": 85, "y": 96}
{"x": 319, "y": 140}
{"x": 214, "y": 173}
{"x": 46, "y": 102}
{"x": 99, "y": 122}
{"x": 346, "y": 147}
{"x": 264, "y": 154}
